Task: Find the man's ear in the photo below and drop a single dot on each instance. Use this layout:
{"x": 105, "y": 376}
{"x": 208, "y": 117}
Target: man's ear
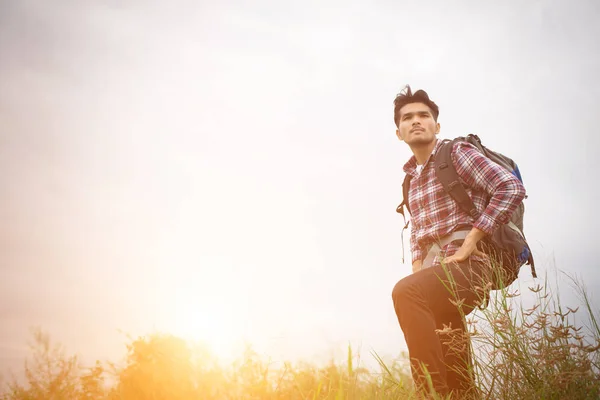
{"x": 398, "y": 134}
{"x": 437, "y": 128}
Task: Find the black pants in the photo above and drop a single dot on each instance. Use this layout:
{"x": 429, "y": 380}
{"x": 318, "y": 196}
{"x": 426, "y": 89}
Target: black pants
{"x": 427, "y": 301}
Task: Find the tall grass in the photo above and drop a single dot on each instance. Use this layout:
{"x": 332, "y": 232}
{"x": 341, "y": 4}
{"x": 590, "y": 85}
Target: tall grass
{"x": 519, "y": 352}
{"x": 537, "y": 351}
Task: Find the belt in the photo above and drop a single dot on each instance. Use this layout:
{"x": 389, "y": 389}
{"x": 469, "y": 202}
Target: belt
{"x": 437, "y": 247}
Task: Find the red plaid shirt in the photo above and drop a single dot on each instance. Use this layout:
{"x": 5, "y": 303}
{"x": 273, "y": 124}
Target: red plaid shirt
{"x": 495, "y": 192}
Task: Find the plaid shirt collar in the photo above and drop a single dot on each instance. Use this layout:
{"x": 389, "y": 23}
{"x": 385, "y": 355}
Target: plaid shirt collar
{"x": 411, "y": 165}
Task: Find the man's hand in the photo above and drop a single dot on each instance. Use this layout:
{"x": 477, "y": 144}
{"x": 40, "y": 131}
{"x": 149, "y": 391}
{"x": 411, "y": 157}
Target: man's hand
{"x": 417, "y": 265}
{"x": 468, "y": 247}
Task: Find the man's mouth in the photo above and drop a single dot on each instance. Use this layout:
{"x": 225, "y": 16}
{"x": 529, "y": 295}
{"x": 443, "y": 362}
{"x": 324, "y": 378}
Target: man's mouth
{"x": 417, "y": 130}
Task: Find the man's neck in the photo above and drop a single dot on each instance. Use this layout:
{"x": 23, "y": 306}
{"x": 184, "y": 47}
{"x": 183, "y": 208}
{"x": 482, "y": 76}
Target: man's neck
{"x": 422, "y": 153}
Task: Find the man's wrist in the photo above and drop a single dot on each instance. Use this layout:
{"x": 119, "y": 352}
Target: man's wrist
{"x": 474, "y": 236}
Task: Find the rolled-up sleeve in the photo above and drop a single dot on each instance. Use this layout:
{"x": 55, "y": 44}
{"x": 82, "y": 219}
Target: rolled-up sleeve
{"x": 480, "y": 173}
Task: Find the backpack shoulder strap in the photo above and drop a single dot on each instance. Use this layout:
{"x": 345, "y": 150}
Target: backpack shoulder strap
{"x": 405, "y": 187}
{"x": 448, "y": 177}
{"x": 400, "y": 209}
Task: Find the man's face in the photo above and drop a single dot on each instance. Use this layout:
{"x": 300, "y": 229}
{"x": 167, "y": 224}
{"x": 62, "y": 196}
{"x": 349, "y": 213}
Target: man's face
{"x": 416, "y": 125}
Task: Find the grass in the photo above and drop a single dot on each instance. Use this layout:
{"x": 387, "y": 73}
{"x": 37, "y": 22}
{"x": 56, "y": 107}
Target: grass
{"x": 539, "y": 351}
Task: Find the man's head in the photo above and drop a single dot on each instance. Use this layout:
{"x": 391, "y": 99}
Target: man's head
{"x": 416, "y": 116}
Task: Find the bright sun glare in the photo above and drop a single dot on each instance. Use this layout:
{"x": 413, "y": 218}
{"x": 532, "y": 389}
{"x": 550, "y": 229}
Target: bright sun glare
{"x": 207, "y": 324}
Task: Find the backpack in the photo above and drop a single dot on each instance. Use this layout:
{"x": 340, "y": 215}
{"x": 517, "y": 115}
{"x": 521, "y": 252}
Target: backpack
{"x": 507, "y": 245}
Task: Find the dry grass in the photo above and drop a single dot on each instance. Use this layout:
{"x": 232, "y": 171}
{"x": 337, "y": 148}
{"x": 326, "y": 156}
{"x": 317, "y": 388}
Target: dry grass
{"x": 533, "y": 352}
{"x": 539, "y": 351}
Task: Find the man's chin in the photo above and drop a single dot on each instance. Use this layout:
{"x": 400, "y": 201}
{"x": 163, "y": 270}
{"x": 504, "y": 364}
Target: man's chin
{"x": 420, "y": 142}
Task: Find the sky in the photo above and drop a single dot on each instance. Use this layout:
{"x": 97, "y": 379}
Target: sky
{"x": 229, "y": 171}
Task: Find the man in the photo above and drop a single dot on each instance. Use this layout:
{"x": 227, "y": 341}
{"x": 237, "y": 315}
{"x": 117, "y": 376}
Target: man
{"x": 445, "y": 286}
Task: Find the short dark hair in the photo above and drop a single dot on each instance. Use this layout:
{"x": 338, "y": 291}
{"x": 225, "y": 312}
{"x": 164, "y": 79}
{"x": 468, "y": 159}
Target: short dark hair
{"x": 406, "y": 97}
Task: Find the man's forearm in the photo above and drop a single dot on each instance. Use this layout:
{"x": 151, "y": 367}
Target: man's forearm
{"x": 473, "y": 237}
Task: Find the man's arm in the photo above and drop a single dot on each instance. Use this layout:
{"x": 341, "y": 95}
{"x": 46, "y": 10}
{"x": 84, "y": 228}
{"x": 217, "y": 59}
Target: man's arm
{"x": 417, "y": 265}
{"x": 504, "y": 188}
